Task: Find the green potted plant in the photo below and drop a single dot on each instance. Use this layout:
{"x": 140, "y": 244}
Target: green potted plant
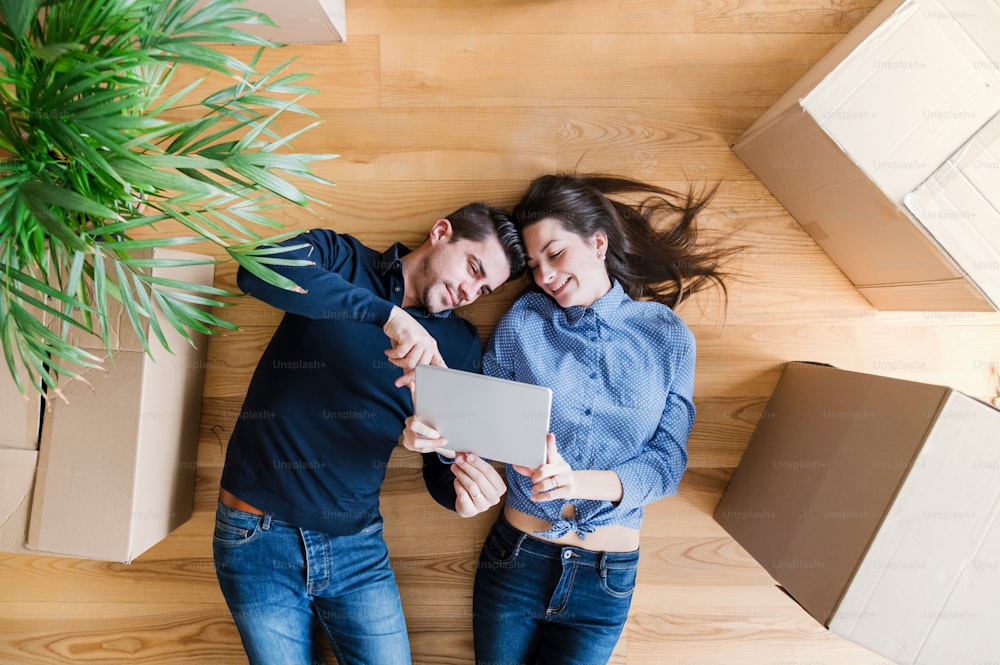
{"x": 103, "y": 157}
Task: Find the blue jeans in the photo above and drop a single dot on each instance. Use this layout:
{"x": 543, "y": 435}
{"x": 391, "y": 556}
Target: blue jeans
{"x": 281, "y": 581}
{"x": 539, "y": 603}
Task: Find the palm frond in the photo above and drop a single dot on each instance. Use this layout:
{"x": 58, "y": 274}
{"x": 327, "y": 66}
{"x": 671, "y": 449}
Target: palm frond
{"x": 99, "y": 149}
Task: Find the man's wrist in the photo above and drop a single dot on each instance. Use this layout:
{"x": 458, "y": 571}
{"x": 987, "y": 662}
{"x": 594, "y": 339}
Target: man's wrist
{"x": 393, "y": 315}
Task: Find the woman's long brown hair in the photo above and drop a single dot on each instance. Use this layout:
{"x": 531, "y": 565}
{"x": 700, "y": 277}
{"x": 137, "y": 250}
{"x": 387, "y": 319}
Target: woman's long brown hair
{"x": 653, "y": 245}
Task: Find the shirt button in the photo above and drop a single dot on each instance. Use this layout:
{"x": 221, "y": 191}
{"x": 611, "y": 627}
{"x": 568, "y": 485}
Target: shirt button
{"x": 593, "y": 375}
{"x": 396, "y": 289}
{"x": 586, "y": 412}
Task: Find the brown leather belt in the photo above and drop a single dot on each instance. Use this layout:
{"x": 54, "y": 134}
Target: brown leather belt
{"x": 229, "y": 499}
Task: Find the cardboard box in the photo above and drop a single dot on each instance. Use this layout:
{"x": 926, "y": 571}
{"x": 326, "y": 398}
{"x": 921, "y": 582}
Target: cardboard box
{"x": 874, "y": 119}
{"x": 116, "y": 465}
{"x": 17, "y": 479}
{"x": 19, "y": 413}
{"x": 875, "y": 504}
{"x": 960, "y": 206}
{"x": 299, "y": 21}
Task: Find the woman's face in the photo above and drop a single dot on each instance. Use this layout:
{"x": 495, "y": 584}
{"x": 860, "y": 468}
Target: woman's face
{"x": 568, "y": 267}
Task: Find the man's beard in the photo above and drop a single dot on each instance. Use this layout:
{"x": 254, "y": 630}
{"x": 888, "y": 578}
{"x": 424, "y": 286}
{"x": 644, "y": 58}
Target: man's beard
{"x": 427, "y": 295}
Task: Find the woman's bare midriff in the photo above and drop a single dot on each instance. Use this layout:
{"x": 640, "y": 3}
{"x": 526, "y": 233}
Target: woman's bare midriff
{"x": 610, "y": 538}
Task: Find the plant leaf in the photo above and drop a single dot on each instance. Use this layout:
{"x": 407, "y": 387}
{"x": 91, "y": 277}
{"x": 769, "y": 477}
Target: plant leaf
{"x": 257, "y": 268}
{"x": 18, "y": 14}
{"x": 265, "y": 178}
{"x": 142, "y": 296}
{"x": 151, "y": 179}
{"x": 51, "y": 223}
{"x": 66, "y": 199}
{"x": 132, "y": 308}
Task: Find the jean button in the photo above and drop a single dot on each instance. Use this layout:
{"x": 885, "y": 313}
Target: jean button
{"x": 567, "y": 554}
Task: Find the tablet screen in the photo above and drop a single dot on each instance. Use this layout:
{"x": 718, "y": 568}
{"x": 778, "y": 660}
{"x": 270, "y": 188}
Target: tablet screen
{"x": 497, "y": 419}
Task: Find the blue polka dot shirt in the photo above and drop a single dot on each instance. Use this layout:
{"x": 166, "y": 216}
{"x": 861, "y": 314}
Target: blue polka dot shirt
{"x": 622, "y": 377}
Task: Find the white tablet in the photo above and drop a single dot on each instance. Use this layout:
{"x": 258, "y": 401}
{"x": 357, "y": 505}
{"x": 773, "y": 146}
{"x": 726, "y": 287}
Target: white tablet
{"x": 497, "y": 419}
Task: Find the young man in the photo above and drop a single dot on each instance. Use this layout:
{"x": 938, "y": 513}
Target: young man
{"x": 298, "y": 536}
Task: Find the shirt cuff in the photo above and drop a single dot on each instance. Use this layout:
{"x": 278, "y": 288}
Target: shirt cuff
{"x": 634, "y": 495}
{"x": 379, "y": 311}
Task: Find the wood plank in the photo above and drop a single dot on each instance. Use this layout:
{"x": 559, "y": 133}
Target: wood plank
{"x": 442, "y": 17}
{"x": 587, "y": 70}
{"x": 770, "y": 16}
{"x": 178, "y": 569}
{"x": 346, "y": 74}
{"x": 742, "y": 625}
{"x": 189, "y": 633}
{"x": 436, "y": 144}
{"x": 957, "y": 355}
{"x": 655, "y": 144}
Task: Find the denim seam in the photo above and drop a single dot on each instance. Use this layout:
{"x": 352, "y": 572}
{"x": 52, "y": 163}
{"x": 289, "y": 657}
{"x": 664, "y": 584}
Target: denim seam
{"x": 614, "y": 593}
{"x": 517, "y": 545}
{"x": 238, "y": 513}
{"x": 567, "y": 594}
{"x": 244, "y": 535}
{"x": 234, "y": 530}
{"x": 327, "y": 562}
{"x": 539, "y": 555}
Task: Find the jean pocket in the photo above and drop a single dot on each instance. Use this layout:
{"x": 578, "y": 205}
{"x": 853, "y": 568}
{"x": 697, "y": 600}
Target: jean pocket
{"x": 231, "y": 528}
{"x": 618, "y": 581}
{"x": 376, "y": 526}
{"x": 497, "y": 549}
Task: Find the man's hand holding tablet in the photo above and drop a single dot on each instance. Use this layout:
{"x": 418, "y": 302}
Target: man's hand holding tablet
{"x": 490, "y": 419}
{"x": 500, "y": 420}
{"x": 478, "y": 486}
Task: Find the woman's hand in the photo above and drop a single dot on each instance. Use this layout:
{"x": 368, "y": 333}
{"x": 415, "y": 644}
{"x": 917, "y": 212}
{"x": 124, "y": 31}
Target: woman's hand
{"x": 421, "y": 437}
{"x": 554, "y": 479}
{"x": 478, "y": 486}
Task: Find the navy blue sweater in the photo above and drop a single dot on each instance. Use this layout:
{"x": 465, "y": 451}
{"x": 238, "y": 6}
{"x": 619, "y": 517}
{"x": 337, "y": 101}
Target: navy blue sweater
{"x": 321, "y": 415}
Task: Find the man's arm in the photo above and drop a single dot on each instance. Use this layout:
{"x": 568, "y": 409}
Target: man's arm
{"x": 325, "y": 293}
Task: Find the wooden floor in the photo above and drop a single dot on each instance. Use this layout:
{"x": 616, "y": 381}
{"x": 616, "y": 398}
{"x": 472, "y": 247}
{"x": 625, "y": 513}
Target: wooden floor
{"x": 432, "y": 103}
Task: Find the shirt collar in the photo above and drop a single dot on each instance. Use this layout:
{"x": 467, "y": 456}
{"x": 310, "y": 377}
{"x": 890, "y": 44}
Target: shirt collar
{"x": 388, "y": 262}
{"x": 608, "y": 307}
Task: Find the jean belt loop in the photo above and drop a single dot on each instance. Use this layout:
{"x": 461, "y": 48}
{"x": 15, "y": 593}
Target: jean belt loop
{"x": 602, "y": 565}
{"x": 518, "y": 542}
{"x": 266, "y": 522}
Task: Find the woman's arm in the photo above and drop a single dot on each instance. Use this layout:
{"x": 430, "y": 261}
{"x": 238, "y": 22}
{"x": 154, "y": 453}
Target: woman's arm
{"x": 652, "y": 474}
{"x": 656, "y": 472}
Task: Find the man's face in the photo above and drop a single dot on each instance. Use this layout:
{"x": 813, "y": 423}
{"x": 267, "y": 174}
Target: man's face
{"x": 455, "y": 273}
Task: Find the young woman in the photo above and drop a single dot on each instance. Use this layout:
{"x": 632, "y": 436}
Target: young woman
{"x": 557, "y": 571}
